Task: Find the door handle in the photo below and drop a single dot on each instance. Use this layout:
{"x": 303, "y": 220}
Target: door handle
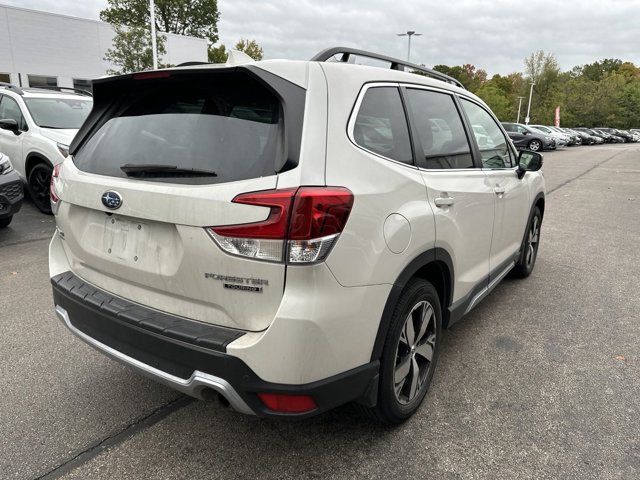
{"x": 443, "y": 201}
{"x": 499, "y": 190}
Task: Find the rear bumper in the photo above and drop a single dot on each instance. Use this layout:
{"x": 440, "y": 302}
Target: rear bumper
{"x": 11, "y": 194}
{"x": 188, "y": 355}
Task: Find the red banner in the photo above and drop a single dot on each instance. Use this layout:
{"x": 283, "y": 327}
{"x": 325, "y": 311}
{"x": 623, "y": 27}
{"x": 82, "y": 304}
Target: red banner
{"x": 557, "y": 124}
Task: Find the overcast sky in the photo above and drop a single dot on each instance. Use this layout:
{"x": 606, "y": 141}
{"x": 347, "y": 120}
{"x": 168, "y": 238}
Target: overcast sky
{"x": 492, "y": 34}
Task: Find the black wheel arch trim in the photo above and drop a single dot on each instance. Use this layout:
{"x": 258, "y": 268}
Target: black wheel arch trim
{"x": 431, "y": 256}
{"x": 32, "y": 159}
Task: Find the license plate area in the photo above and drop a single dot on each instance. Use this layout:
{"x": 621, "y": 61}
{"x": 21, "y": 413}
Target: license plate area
{"x": 124, "y": 239}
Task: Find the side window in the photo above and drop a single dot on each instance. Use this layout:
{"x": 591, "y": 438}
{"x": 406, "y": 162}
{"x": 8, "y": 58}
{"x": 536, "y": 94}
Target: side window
{"x": 509, "y": 127}
{"x": 381, "y": 125}
{"x": 440, "y": 131}
{"x": 9, "y": 109}
{"x": 493, "y": 145}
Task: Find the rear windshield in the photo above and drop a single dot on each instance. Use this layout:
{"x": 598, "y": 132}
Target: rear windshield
{"x": 194, "y": 130}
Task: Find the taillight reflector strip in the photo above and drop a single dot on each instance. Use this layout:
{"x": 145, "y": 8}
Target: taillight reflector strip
{"x": 283, "y": 403}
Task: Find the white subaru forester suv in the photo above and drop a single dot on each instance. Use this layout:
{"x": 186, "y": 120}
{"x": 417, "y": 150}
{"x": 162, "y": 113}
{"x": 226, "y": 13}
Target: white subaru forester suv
{"x": 288, "y": 236}
{"x": 36, "y": 128}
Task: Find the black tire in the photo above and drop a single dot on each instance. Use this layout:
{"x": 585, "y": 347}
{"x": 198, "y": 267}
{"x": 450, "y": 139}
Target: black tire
{"x": 529, "y": 249}
{"x": 396, "y": 404}
{"x": 4, "y": 222}
{"x": 38, "y": 184}
{"x": 534, "y": 145}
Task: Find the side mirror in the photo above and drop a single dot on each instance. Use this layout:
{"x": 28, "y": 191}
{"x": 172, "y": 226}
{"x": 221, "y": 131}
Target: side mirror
{"x": 10, "y": 124}
{"x": 528, "y": 162}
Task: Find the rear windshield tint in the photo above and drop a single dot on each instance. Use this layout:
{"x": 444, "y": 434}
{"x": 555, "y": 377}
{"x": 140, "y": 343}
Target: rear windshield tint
{"x": 210, "y": 129}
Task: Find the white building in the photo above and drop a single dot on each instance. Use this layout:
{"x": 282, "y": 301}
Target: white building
{"x": 39, "y": 48}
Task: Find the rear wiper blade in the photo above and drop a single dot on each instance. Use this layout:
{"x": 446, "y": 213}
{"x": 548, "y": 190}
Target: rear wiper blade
{"x": 144, "y": 169}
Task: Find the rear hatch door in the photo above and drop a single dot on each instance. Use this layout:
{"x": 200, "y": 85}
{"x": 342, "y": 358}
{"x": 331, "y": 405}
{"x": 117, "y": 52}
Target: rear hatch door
{"x": 160, "y": 160}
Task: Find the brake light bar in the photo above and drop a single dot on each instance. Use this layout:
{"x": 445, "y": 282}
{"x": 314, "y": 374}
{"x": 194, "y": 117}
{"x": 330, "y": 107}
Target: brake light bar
{"x": 302, "y": 226}
{"x": 149, "y": 75}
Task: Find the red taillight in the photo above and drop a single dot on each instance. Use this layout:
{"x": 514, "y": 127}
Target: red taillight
{"x": 319, "y": 212}
{"x": 302, "y": 224}
{"x": 282, "y": 403}
{"x": 52, "y": 189}
{"x": 274, "y": 227}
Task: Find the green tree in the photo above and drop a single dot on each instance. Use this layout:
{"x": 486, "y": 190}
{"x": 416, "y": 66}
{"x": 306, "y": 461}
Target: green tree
{"x": 250, "y": 47}
{"x": 542, "y": 69}
{"x": 496, "y": 99}
{"x": 467, "y": 74}
{"x": 595, "y": 71}
{"x": 217, "y": 54}
{"x": 132, "y": 51}
{"x": 197, "y": 18}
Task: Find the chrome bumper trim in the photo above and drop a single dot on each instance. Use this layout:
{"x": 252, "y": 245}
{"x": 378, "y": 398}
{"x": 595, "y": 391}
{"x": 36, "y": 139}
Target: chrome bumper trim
{"x": 192, "y": 386}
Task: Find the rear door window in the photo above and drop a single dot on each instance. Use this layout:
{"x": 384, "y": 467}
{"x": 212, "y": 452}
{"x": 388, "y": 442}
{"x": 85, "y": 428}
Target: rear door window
{"x": 381, "y": 125}
{"x": 203, "y": 130}
{"x": 440, "y": 130}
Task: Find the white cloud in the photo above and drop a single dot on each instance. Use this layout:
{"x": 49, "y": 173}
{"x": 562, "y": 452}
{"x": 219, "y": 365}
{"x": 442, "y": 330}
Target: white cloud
{"x": 492, "y": 34}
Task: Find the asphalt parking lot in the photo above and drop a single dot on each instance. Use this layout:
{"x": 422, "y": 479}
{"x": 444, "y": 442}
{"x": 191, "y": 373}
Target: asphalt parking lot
{"x": 542, "y": 380}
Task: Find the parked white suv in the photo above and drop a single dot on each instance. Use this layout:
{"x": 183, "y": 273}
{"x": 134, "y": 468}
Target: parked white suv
{"x": 36, "y": 128}
{"x": 288, "y": 235}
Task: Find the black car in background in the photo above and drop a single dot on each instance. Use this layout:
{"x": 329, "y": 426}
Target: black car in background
{"x": 585, "y": 137}
{"x": 607, "y": 137}
{"x": 528, "y": 138}
{"x": 618, "y": 133}
{"x": 11, "y": 193}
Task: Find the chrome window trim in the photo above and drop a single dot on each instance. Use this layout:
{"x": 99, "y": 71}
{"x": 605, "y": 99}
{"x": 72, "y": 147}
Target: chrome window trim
{"x": 354, "y": 115}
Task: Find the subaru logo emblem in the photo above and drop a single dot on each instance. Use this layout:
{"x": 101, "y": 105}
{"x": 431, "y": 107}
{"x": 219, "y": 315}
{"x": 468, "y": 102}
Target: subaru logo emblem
{"x": 112, "y": 200}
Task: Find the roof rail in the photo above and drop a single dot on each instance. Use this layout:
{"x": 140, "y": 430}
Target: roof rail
{"x": 79, "y": 91}
{"x": 13, "y": 87}
{"x": 396, "y": 64}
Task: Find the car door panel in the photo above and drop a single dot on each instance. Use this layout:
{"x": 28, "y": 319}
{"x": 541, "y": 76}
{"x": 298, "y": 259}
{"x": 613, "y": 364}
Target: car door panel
{"x": 510, "y": 193}
{"x": 458, "y": 193}
{"x": 462, "y": 202}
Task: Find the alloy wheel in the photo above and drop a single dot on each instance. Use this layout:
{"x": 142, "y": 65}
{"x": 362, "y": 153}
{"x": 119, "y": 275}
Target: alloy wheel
{"x": 39, "y": 184}
{"x": 414, "y": 352}
{"x": 534, "y": 146}
{"x": 532, "y": 241}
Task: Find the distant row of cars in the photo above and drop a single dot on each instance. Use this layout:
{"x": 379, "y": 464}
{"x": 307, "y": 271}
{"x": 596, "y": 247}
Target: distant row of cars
{"x": 542, "y": 137}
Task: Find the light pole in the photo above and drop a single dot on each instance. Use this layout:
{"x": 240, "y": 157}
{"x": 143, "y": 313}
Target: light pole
{"x": 409, "y": 34}
{"x": 526, "y": 120}
{"x": 519, "y": 107}
{"x": 152, "y": 11}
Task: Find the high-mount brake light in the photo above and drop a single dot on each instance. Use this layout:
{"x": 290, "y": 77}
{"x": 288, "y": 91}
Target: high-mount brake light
{"x": 302, "y": 226}
{"x": 149, "y": 75}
